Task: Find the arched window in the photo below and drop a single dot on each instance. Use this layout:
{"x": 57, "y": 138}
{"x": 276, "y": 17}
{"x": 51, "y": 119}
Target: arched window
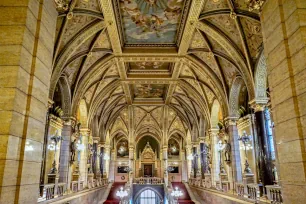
{"x": 148, "y": 197}
{"x": 269, "y": 129}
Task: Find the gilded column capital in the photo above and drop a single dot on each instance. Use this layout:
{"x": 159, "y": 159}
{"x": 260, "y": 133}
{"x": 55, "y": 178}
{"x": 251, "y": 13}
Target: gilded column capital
{"x": 96, "y": 139}
{"x": 50, "y": 103}
{"x": 69, "y": 120}
{"x": 85, "y": 131}
{"x": 259, "y": 104}
{"x": 230, "y": 121}
{"x": 202, "y": 139}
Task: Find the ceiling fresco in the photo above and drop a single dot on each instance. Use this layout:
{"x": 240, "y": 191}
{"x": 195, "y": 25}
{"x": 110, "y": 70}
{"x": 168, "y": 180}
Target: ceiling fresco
{"x": 149, "y": 66}
{"x": 150, "y": 21}
{"x": 149, "y": 90}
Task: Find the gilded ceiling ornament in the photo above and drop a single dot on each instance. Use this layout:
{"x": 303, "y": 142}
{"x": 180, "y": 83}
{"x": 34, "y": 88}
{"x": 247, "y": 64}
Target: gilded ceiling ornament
{"x": 255, "y": 4}
{"x": 210, "y": 55}
{"x": 233, "y": 15}
{"x": 61, "y": 5}
{"x": 70, "y": 15}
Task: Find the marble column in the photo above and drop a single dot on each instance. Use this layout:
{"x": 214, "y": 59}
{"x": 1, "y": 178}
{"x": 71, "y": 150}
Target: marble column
{"x": 236, "y": 169}
{"x": 215, "y": 170}
{"x": 26, "y": 50}
{"x": 101, "y": 158}
{"x": 165, "y": 163}
{"x": 189, "y": 162}
{"x": 65, "y": 155}
{"x": 95, "y": 158}
{"x": 107, "y": 161}
{"x": 195, "y": 160}
{"x": 83, "y": 160}
{"x": 203, "y": 157}
{"x": 263, "y": 148}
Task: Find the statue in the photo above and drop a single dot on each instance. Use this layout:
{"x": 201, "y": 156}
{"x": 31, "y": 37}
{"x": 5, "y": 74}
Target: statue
{"x": 227, "y": 151}
{"x": 73, "y": 148}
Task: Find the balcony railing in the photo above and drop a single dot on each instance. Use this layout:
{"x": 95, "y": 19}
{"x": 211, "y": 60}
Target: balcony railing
{"x": 250, "y": 192}
{"x": 148, "y": 180}
{"x": 55, "y": 190}
{"x": 274, "y": 194}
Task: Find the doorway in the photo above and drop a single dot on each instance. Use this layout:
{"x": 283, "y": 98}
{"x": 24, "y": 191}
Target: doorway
{"x": 147, "y": 170}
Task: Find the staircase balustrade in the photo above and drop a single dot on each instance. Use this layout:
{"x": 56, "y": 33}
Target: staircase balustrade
{"x": 148, "y": 180}
{"x": 253, "y": 192}
{"x": 274, "y": 194}
{"x": 240, "y": 189}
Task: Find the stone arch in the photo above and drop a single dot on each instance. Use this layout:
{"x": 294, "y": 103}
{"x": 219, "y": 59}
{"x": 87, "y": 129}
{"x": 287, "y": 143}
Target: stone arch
{"x": 66, "y": 95}
{"x": 214, "y": 116}
{"x": 261, "y": 78}
{"x": 234, "y": 96}
{"x": 83, "y": 114}
{"x": 148, "y": 188}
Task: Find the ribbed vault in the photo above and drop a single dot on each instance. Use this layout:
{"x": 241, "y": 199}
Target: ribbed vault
{"x": 219, "y": 40}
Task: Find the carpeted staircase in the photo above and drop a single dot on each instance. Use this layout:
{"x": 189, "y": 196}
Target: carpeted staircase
{"x": 112, "y": 198}
{"x": 185, "y": 198}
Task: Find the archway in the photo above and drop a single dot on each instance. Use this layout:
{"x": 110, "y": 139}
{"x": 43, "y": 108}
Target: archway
{"x": 148, "y": 196}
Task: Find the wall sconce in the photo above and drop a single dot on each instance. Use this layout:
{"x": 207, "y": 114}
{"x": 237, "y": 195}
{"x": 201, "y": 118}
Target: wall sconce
{"x": 106, "y": 157}
{"x": 190, "y": 157}
{"x": 29, "y": 147}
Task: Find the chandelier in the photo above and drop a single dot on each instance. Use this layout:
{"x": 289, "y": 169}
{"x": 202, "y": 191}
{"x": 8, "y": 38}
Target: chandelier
{"x": 170, "y": 168}
{"x": 121, "y": 193}
{"x": 176, "y": 193}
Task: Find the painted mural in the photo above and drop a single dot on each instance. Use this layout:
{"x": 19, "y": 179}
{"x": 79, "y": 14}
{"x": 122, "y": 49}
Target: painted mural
{"x": 150, "y": 21}
{"x": 149, "y": 90}
{"x": 149, "y": 66}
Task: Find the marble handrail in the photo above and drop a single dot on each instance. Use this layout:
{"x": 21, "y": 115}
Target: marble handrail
{"x": 274, "y": 194}
{"x": 148, "y": 180}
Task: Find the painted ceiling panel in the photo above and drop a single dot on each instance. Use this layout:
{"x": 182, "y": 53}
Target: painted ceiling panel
{"x": 150, "y": 22}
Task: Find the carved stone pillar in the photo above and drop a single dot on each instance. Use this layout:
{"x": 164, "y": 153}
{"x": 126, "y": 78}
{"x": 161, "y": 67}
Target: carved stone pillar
{"x": 215, "y": 166}
{"x": 101, "y": 159}
{"x": 195, "y": 160}
{"x": 106, "y": 159}
{"x": 189, "y": 162}
{"x": 131, "y": 164}
{"x": 83, "y": 157}
{"x": 264, "y": 162}
{"x": 165, "y": 163}
{"x": 95, "y": 163}
{"x": 203, "y": 157}
{"x": 64, "y": 167}
{"x": 231, "y": 125}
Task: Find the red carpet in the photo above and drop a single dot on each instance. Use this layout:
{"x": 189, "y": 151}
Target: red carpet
{"x": 112, "y": 198}
{"x": 185, "y": 198}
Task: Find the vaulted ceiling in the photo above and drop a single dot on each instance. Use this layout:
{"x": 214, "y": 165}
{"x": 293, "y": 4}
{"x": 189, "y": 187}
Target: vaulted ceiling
{"x": 151, "y": 53}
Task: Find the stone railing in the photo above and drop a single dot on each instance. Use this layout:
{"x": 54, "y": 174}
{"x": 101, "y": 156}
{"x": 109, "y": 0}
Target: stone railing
{"x": 253, "y": 192}
{"x": 61, "y": 189}
{"x": 53, "y": 190}
{"x": 148, "y": 180}
{"x": 74, "y": 186}
{"x": 49, "y": 191}
{"x": 240, "y": 189}
{"x": 274, "y": 194}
